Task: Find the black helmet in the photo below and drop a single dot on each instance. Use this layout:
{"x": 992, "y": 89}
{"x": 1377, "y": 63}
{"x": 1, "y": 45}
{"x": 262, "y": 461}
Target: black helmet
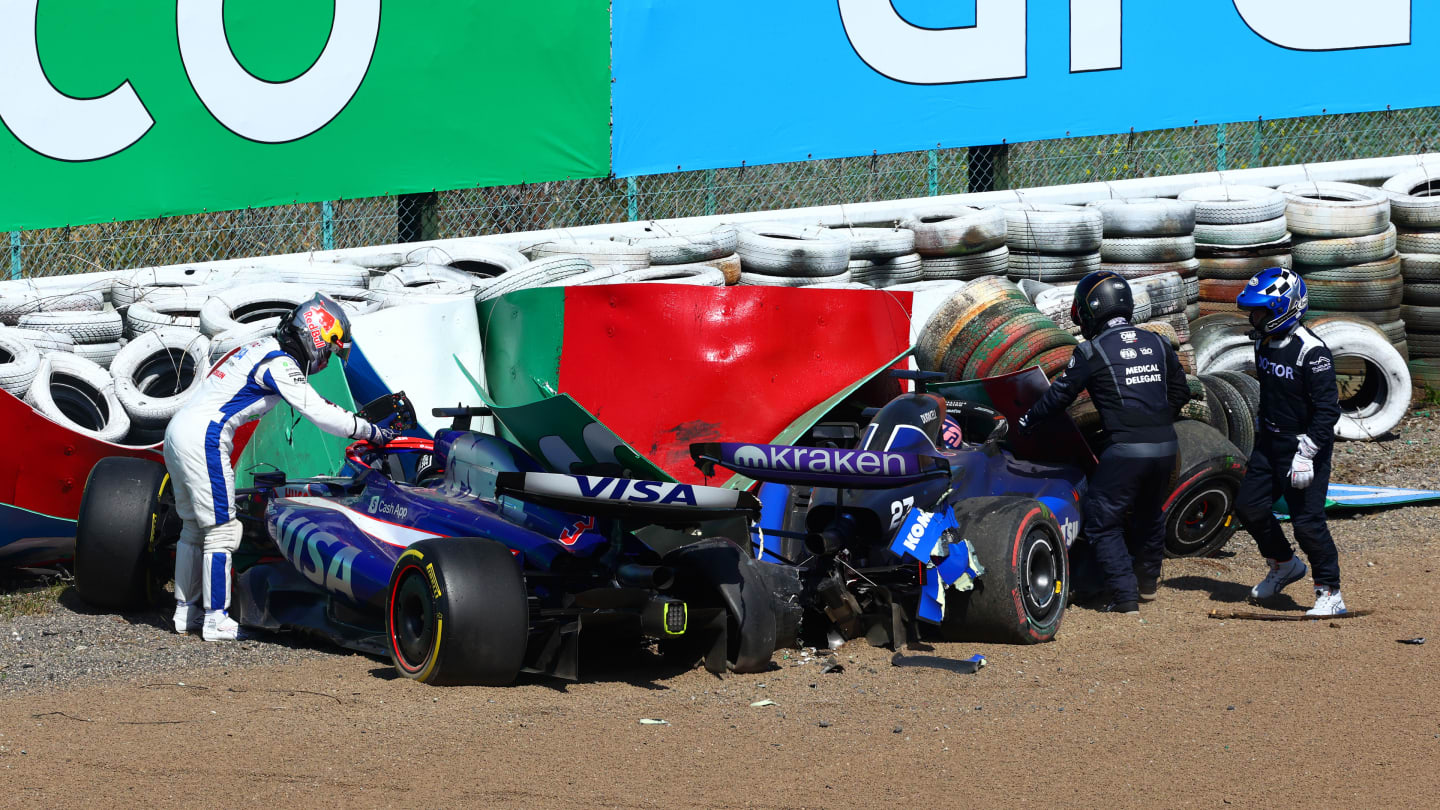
{"x": 1099, "y": 297}
{"x": 313, "y": 331}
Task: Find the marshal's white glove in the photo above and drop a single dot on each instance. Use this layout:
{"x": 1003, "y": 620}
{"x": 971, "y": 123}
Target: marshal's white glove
{"x": 1302, "y": 466}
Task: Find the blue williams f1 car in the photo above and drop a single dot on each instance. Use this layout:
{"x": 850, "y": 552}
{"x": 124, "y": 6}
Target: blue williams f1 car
{"x": 885, "y": 527}
{"x": 467, "y": 576}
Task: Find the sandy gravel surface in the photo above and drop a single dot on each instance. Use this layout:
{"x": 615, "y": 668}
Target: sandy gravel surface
{"x": 1170, "y": 709}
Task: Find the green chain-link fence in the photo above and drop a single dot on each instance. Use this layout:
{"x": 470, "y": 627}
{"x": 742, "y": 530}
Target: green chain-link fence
{"x": 535, "y": 206}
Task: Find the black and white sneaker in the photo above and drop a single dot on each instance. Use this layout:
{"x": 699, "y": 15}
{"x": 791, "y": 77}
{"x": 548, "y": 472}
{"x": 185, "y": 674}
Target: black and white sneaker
{"x": 1149, "y": 589}
{"x": 1123, "y": 607}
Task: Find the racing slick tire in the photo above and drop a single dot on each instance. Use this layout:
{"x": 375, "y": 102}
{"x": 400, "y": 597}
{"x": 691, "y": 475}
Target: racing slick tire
{"x": 125, "y": 517}
{"x": 1021, "y": 596}
{"x": 1209, "y": 468}
{"x": 716, "y": 573}
{"x": 457, "y": 613}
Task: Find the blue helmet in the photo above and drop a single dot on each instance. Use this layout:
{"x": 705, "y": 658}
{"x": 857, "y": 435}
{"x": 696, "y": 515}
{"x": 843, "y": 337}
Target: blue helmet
{"x": 1275, "y": 299}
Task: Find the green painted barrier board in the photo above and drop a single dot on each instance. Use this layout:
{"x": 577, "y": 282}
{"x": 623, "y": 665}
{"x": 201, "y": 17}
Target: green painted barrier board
{"x": 287, "y": 441}
{"x": 116, "y": 111}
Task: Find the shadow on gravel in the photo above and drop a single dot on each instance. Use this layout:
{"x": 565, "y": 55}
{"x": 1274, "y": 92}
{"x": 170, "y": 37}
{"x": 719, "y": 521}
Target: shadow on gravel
{"x": 639, "y": 667}
{"x": 1229, "y": 592}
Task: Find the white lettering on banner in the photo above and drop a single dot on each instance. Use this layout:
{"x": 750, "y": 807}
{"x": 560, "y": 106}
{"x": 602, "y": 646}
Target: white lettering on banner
{"x": 992, "y": 48}
{"x": 1094, "y": 35}
{"x": 1328, "y": 25}
{"x": 48, "y": 121}
{"x": 276, "y": 112}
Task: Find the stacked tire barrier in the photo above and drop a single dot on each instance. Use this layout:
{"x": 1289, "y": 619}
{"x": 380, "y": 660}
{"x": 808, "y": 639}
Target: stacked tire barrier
{"x": 1147, "y": 237}
{"x": 1186, "y": 258}
{"x": 116, "y": 357}
{"x": 1344, "y": 248}
{"x": 987, "y": 328}
{"x": 1375, "y": 384}
{"x": 783, "y": 255}
{"x": 1166, "y": 293}
{"x": 960, "y": 243}
{"x": 883, "y": 257}
{"x": 1052, "y": 243}
{"x": 1415, "y": 212}
{"x": 1239, "y": 231}
{"x": 1232, "y": 399}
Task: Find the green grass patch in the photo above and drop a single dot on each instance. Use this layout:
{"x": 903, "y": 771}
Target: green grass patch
{"x": 31, "y": 601}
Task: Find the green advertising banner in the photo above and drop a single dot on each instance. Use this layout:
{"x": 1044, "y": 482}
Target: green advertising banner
{"x": 116, "y": 111}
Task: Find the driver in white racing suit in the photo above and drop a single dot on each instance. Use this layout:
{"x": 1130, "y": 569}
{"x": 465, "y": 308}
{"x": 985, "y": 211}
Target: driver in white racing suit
{"x": 242, "y": 387}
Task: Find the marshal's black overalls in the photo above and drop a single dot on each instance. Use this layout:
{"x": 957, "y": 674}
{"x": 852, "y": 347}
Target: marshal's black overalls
{"x": 1298, "y": 395}
{"x": 1138, "y": 388}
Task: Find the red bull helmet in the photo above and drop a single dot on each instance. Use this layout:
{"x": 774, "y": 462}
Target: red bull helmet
{"x": 313, "y": 331}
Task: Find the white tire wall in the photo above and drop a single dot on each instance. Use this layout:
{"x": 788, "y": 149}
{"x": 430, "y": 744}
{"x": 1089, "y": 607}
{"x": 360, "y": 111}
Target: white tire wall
{"x": 223, "y": 343}
{"x": 599, "y": 253}
{"x": 174, "y": 311}
{"x": 21, "y": 300}
{"x": 236, "y": 306}
{"x": 19, "y": 363}
{"x": 69, "y": 383}
{"x": 780, "y": 249}
{"x": 679, "y": 247}
{"x": 1335, "y": 209}
{"x": 141, "y": 284}
{"x": 1385, "y": 396}
{"x": 1415, "y": 198}
{"x": 42, "y": 341}
{"x": 1150, "y": 217}
{"x": 1234, "y": 204}
{"x": 878, "y": 244}
{"x": 539, "y": 273}
{"x": 157, "y": 372}
{"x": 101, "y": 354}
{"x": 1042, "y": 228}
{"x": 420, "y": 276}
{"x": 957, "y": 231}
{"x": 83, "y": 327}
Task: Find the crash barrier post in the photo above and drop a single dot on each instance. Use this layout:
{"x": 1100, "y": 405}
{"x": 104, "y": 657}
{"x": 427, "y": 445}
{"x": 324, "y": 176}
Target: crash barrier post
{"x": 327, "y": 225}
{"x": 1220, "y": 148}
{"x": 632, "y": 200}
{"x": 15, "y": 259}
{"x": 932, "y": 172}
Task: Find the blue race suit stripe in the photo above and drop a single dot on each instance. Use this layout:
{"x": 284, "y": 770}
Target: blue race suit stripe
{"x": 249, "y": 394}
{"x": 219, "y": 587}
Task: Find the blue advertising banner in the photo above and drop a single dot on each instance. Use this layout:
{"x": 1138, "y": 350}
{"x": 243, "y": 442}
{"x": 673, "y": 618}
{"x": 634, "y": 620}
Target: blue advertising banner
{"x": 704, "y": 84}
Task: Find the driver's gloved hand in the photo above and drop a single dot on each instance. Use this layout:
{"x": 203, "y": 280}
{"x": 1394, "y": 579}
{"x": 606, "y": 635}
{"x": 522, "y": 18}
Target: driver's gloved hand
{"x": 382, "y": 435}
{"x": 1023, "y": 425}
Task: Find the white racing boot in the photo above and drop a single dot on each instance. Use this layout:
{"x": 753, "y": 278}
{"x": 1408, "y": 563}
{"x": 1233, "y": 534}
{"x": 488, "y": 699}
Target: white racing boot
{"x": 1328, "y": 602}
{"x": 1281, "y": 575}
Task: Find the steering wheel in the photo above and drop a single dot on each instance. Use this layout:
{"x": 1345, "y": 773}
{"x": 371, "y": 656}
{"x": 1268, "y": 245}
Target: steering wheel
{"x": 366, "y": 455}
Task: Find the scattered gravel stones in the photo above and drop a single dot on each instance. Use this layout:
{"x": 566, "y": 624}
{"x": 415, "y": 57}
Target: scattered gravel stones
{"x": 72, "y": 646}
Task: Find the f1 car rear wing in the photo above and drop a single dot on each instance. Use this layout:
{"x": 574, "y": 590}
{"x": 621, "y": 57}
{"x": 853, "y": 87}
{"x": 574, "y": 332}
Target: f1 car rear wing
{"x": 819, "y": 466}
{"x": 657, "y": 502}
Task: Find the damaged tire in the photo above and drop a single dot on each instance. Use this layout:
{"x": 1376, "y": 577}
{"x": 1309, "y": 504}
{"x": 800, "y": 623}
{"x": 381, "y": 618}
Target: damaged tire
{"x": 1021, "y": 596}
